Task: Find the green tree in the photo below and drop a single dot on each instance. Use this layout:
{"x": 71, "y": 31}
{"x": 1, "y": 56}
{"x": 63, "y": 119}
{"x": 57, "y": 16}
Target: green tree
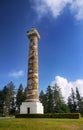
{"x": 79, "y": 101}
{"x": 19, "y": 97}
{"x": 1, "y": 102}
{"x": 43, "y": 100}
{"x": 49, "y": 100}
{"x": 11, "y": 88}
{"x": 59, "y": 105}
{"x": 25, "y": 94}
{"x": 8, "y": 99}
{"x": 72, "y": 103}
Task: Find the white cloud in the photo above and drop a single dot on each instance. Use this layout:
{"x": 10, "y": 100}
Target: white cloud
{"x": 16, "y": 74}
{"x": 56, "y": 7}
{"x": 77, "y": 8}
{"x": 66, "y": 85}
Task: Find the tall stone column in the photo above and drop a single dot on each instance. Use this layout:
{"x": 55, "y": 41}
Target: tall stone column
{"x": 32, "y": 104}
{"x": 32, "y": 81}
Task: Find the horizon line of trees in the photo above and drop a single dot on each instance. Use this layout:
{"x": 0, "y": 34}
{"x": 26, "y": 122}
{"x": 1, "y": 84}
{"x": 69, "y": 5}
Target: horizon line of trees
{"x": 52, "y": 100}
{"x": 11, "y": 99}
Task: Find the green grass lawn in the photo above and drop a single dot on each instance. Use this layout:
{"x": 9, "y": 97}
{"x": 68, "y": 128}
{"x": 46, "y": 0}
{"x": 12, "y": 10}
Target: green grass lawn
{"x": 41, "y": 124}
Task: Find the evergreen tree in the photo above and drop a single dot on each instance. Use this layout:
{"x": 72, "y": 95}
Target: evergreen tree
{"x": 43, "y": 100}
{"x": 19, "y": 97}
{"x": 72, "y": 103}
{"x": 79, "y": 102}
{"x": 49, "y": 100}
{"x": 11, "y": 88}
{"x": 8, "y": 99}
{"x": 58, "y": 101}
{"x": 1, "y": 102}
{"x": 78, "y": 98}
{"x": 25, "y": 94}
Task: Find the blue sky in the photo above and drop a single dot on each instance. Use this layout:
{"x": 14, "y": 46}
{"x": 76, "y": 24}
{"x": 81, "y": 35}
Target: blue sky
{"x": 60, "y": 25}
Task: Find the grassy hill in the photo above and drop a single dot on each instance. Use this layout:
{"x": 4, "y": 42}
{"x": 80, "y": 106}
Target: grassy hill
{"x": 41, "y": 124}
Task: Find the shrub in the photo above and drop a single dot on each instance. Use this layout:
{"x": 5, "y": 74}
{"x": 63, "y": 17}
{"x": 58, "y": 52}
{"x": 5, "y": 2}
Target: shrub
{"x": 50, "y": 115}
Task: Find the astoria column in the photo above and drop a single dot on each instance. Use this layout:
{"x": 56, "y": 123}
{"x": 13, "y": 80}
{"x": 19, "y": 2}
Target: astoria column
{"x": 32, "y": 105}
{"x": 32, "y": 78}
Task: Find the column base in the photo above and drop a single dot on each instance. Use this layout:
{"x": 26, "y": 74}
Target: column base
{"x": 31, "y": 108}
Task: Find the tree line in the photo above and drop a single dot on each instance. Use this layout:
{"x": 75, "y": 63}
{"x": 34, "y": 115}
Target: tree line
{"x": 11, "y": 99}
{"x": 52, "y": 100}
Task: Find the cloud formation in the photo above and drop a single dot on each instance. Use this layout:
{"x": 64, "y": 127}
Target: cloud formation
{"x": 66, "y": 85}
{"x": 56, "y": 7}
{"x": 16, "y": 74}
{"x": 77, "y": 8}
